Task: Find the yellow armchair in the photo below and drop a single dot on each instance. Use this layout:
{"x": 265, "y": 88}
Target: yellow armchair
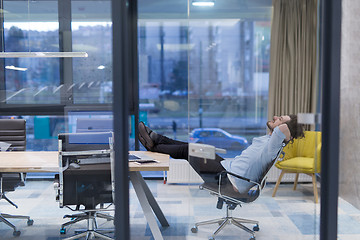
{"x": 302, "y": 156}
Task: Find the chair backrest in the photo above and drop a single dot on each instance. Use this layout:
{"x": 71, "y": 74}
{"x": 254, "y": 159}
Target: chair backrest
{"x": 280, "y": 155}
{"x": 85, "y": 141}
{"x": 303, "y": 147}
{"x": 228, "y": 193}
{"x": 309, "y": 146}
{"x": 13, "y": 131}
{"x": 88, "y": 184}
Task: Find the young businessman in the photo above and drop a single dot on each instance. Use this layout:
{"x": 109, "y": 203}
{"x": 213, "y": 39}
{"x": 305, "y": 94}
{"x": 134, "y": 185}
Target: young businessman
{"x": 251, "y": 163}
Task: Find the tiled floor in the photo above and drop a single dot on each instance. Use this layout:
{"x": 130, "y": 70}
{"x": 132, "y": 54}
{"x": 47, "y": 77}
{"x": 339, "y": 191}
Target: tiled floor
{"x": 290, "y": 215}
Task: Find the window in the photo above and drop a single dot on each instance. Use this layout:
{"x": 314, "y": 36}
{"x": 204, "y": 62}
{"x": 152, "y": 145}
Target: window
{"x": 31, "y": 80}
{"x": 52, "y": 83}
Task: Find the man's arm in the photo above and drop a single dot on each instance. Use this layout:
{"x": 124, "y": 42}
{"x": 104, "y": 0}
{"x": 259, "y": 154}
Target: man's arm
{"x": 285, "y": 130}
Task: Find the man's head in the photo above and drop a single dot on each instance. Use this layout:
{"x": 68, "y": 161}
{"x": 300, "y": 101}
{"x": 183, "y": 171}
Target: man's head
{"x": 296, "y": 129}
{"x": 277, "y": 121}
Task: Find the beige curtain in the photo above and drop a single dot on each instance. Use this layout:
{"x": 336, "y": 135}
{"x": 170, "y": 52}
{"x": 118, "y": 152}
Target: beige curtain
{"x": 293, "y": 68}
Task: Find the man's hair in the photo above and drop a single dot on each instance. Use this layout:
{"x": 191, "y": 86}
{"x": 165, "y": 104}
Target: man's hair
{"x": 296, "y": 129}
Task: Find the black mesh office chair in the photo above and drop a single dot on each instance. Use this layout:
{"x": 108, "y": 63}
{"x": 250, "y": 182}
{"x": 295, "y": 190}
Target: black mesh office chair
{"x": 226, "y": 194}
{"x": 13, "y": 132}
{"x": 84, "y": 182}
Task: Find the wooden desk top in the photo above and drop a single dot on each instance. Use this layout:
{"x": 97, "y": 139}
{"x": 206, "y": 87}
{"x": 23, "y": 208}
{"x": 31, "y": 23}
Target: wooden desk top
{"x": 47, "y": 161}
{"x": 162, "y": 165}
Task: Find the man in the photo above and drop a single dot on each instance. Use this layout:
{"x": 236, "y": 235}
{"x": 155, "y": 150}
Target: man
{"x": 251, "y": 163}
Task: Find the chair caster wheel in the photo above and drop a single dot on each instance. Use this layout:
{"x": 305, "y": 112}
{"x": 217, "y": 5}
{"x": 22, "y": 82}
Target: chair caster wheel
{"x": 252, "y": 238}
{"x": 16, "y": 233}
{"x": 63, "y": 231}
{"x": 211, "y": 238}
{"x": 194, "y": 229}
{"x": 256, "y": 228}
{"x": 30, "y": 222}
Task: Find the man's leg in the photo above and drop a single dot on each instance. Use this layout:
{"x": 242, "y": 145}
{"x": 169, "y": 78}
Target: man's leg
{"x": 174, "y": 150}
{"x": 161, "y": 139}
{"x": 180, "y": 150}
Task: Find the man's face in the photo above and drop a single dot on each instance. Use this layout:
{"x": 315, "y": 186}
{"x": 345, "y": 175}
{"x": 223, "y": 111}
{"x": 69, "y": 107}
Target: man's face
{"x": 277, "y": 121}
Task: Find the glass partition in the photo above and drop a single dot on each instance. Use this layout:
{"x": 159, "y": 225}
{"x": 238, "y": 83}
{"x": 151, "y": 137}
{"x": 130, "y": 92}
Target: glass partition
{"x": 203, "y": 78}
{"x": 27, "y": 28}
{"x": 228, "y": 81}
{"x": 163, "y": 74}
{"x": 91, "y": 30}
{"x": 34, "y": 26}
{"x": 228, "y": 92}
{"x": 55, "y": 96}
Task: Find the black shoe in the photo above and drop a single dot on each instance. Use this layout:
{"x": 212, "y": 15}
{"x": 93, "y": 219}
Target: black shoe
{"x": 144, "y": 136}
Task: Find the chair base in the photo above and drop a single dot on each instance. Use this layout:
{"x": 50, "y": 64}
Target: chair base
{"x": 92, "y": 231}
{"x": 89, "y": 234}
{"x": 85, "y": 216}
{"x": 238, "y": 222}
{"x": 4, "y": 216}
{"x": 3, "y": 196}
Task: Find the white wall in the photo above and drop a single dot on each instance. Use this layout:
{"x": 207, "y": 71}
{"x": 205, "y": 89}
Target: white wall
{"x": 349, "y": 187}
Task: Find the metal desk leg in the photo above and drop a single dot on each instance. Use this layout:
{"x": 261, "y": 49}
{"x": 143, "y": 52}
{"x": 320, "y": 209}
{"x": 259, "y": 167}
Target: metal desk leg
{"x": 153, "y": 203}
{"x": 148, "y": 204}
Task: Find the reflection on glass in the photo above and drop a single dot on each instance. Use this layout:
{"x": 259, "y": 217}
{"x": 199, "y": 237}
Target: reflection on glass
{"x": 217, "y": 71}
{"x": 39, "y": 79}
{"x": 33, "y": 26}
{"x": 88, "y": 120}
{"x": 92, "y": 76}
{"x": 229, "y": 78}
{"x": 163, "y": 75}
{"x": 203, "y": 69}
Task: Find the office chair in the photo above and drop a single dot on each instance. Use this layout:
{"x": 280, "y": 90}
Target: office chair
{"x": 226, "y": 193}
{"x": 13, "y": 132}
{"x": 302, "y": 156}
{"x": 84, "y": 182}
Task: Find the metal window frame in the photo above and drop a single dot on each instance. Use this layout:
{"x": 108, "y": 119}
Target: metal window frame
{"x": 330, "y": 59}
{"x": 121, "y": 73}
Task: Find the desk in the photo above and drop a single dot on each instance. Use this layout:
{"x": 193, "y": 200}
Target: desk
{"x": 48, "y": 162}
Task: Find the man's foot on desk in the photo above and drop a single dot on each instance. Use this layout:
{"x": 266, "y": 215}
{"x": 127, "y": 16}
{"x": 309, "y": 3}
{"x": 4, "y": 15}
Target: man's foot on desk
{"x": 148, "y": 137}
{"x": 144, "y": 136}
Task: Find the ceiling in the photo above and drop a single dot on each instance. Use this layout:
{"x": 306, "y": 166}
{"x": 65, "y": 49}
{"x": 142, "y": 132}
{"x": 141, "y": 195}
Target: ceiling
{"x": 100, "y": 10}
{"x": 168, "y": 9}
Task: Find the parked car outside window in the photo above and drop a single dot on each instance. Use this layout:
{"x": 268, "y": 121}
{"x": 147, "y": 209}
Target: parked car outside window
{"x": 218, "y": 138}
